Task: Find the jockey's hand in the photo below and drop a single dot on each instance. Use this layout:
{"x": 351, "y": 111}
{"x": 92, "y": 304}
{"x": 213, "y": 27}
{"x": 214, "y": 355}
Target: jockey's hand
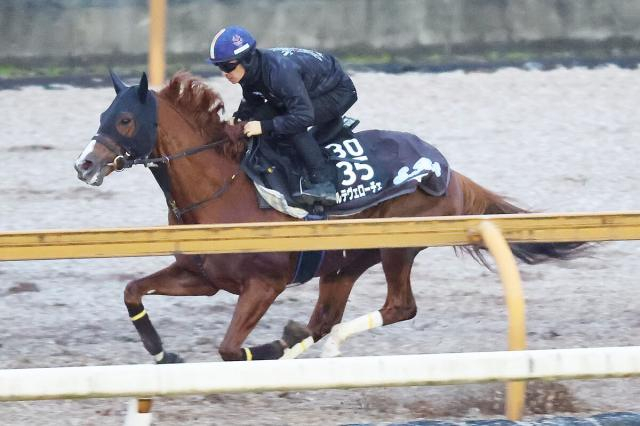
{"x": 252, "y": 128}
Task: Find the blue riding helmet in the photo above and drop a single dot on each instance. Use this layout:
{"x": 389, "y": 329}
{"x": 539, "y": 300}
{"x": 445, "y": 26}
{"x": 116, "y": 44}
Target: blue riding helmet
{"x": 231, "y": 43}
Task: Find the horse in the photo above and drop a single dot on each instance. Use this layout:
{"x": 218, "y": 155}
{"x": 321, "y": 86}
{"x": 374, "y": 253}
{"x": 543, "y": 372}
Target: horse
{"x": 195, "y": 156}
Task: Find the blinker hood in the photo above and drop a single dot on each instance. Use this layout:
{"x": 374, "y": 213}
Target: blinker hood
{"x": 142, "y": 105}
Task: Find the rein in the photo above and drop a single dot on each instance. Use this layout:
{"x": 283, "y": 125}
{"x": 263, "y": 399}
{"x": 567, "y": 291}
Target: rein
{"x": 158, "y": 167}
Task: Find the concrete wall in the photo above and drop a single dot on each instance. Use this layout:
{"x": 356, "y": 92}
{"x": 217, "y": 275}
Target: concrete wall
{"x": 41, "y": 29}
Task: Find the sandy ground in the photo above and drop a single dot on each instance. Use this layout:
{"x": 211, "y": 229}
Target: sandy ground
{"x": 556, "y": 141}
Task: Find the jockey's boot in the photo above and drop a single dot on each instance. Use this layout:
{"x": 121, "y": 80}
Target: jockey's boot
{"x": 320, "y": 187}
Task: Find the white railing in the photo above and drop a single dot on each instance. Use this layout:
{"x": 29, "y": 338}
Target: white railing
{"x": 320, "y": 373}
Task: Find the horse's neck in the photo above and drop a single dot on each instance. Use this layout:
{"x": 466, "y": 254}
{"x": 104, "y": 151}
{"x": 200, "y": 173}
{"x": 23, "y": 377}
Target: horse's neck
{"x": 196, "y": 177}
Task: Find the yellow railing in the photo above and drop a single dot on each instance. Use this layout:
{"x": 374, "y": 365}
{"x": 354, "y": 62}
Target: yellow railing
{"x": 292, "y": 236}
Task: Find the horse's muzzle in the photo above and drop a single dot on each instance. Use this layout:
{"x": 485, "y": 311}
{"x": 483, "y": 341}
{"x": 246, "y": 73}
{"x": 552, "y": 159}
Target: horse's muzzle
{"x": 88, "y": 172}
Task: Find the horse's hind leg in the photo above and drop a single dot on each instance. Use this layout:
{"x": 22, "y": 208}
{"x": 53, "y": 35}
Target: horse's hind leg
{"x": 400, "y": 304}
{"x": 171, "y": 281}
{"x": 332, "y": 299}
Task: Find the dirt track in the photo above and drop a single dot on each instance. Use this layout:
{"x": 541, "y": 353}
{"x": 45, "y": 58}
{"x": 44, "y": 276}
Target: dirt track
{"x": 563, "y": 140}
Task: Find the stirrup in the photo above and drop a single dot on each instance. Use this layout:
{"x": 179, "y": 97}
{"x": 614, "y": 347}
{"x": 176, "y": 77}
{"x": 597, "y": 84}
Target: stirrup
{"x": 323, "y": 193}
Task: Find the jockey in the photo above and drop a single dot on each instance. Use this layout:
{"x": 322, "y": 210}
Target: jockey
{"x": 285, "y": 91}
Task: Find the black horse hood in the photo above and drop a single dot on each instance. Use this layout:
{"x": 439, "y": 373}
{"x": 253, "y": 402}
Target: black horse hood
{"x": 139, "y": 103}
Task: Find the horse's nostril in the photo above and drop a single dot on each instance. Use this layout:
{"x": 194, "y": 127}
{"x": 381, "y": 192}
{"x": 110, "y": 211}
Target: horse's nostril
{"x": 86, "y": 165}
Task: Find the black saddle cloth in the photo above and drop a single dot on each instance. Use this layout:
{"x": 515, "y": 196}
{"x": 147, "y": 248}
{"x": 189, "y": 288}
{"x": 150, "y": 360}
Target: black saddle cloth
{"x": 372, "y": 166}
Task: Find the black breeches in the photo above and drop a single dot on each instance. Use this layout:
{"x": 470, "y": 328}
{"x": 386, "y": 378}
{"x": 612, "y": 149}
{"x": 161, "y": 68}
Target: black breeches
{"x": 328, "y": 110}
{"x": 335, "y": 103}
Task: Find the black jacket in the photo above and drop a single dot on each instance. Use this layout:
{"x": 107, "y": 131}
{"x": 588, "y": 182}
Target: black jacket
{"x": 288, "y": 79}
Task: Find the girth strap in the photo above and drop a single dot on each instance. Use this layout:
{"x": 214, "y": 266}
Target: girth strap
{"x": 309, "y": 262}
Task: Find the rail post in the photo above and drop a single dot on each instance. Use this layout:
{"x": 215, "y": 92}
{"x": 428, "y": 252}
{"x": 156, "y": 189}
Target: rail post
{"x": 512, "y": 285}
{"x": 157, "y": 36}
{"x": 138, "y": 412}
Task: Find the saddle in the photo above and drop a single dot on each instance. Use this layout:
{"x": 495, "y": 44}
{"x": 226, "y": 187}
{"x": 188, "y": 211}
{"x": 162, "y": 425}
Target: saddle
{"x": 370, "y": 167}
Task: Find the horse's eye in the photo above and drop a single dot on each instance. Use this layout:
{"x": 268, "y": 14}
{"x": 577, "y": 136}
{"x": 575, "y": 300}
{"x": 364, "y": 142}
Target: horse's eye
{"x": 125, "y": 121}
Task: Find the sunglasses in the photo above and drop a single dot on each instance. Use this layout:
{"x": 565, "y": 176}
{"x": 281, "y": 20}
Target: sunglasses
{"x": 227, "y": 66}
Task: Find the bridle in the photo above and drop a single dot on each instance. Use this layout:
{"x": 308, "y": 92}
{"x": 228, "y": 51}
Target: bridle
{"x": 127, "y": 160}
{"x": 158, "y": 167}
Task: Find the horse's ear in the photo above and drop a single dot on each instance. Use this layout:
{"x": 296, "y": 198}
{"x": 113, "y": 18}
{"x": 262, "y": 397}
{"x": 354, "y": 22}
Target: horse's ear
{"x": 117, "y": 83}
{"x": 143, "y": 88}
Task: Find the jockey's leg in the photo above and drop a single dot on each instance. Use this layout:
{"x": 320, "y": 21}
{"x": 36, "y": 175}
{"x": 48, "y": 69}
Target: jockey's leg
{"x": 171, "y": 281}
{"x": 327, "y": 108}
{"x": 400, "y": 304}
{"x": 333, "y": 295}
{"x": 322, "y": 131}
{"x": 255, "y": 299}
{"x": 321, "y": 186}
{"x": 335, "y": 103}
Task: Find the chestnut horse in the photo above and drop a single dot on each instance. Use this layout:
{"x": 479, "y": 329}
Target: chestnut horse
{"x": 195, "y": 158}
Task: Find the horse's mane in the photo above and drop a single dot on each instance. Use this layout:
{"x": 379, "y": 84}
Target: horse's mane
{"x": 201, "y": 104}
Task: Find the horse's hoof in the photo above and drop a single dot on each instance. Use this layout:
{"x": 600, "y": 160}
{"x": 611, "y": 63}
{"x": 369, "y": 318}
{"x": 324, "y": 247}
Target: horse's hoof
{"x": 294, "y": 332}
{"x": 331, "y": 348}
{"x": 170, "y": 358}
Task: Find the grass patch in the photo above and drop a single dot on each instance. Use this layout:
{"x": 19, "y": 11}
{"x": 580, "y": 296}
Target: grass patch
{"x": 10, "y": 71}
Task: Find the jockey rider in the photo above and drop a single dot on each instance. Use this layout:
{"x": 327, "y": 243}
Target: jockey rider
{"x": 285, "y": 91}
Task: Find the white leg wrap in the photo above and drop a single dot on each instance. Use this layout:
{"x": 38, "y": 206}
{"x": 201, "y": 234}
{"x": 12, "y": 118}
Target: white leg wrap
{"x": 340, "y": 332}
{"x": 331, "y": 347}
{"x": 298, "y": 348}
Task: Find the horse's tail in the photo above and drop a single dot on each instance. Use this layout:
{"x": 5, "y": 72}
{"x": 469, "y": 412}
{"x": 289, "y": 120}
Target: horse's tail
{"x": 478, "y": 200}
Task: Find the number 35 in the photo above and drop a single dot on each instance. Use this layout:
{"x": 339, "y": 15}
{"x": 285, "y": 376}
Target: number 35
{"x": 350, "y": 175}
{"x": 351, "y": 147}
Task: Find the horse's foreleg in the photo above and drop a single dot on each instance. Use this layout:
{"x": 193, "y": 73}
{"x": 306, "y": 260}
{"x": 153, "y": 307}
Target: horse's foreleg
{"x": 332, "y": 299}
{"x": 254, "y": 300}
{"x": 171, "y": 281}
{"x": 400, "y": 304}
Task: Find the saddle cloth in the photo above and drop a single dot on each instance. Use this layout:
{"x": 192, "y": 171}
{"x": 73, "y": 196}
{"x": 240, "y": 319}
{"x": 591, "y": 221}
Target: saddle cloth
{"x": 372, "y": 166}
